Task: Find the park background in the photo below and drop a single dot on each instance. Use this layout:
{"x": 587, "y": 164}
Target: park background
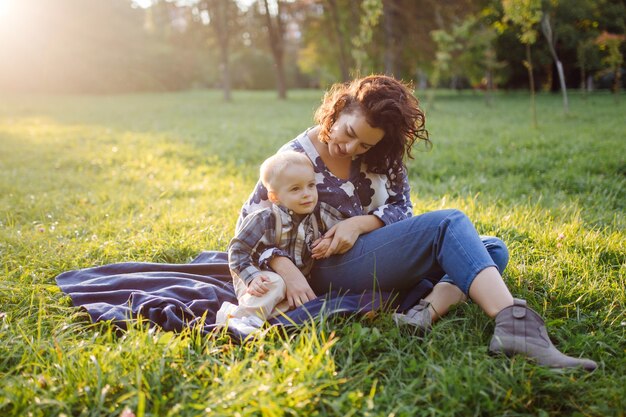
{"x": 134, "y": 132}
{"x": 113, "y": 46}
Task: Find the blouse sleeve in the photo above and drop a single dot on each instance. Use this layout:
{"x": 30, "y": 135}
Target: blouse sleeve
{"x": 398, "y": 204}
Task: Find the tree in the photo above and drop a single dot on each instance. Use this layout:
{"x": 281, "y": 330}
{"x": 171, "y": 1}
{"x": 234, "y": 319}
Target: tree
{"x": 575, "y": 27}
{"x": 275, "y": 25}
{"x": 391, "y": 36}
{"x": 447, "y": 43}
{"x": 611, "y": 43}
{"x": 550, "y": 36}
{"x": 327, "y": 45}
{"x": 586, "y": 57}
{"x": 333, "y": 8}
{"x": 478, "y": 58}
{"x": 391, "y": 18}
{"x": 221, "y": 13}
{"x": 371, "y": 12}
{"x": 525, "y": 14}
{"x": 93, "y": 46}
{"x": 465, "y": 50}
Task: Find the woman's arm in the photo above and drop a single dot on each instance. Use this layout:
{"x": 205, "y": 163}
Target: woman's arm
{"x": 398, "y": 204}
{"x": 397, "y": 207}
{"x": 345, "y": 233}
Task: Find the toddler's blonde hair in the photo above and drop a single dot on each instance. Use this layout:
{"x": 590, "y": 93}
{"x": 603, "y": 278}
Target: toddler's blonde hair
{"x": 275, "y": 164}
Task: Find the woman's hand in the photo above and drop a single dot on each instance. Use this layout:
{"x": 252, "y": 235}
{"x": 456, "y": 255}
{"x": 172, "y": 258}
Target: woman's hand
{"x": 344, "y": 234}
{"x": 320, "y": 246}
{"x": 342, "y": 237}
{"x": 298, "y": 289}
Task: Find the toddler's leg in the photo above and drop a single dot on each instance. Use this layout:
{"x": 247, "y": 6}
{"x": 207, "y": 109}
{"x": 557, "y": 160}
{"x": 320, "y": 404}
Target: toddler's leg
{"x": 265, "y": 306}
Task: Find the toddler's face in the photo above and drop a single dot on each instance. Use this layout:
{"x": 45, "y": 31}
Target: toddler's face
{"x": 295, "y": 188}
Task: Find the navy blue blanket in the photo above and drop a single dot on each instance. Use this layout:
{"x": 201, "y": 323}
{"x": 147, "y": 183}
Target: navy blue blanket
{"x": 176, "y": 296}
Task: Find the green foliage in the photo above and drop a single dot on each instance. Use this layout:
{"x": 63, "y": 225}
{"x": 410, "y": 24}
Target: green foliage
{"x": 576, "y": 24}
{"x": 372, "y": 11}
{"x": 160, "y": 177}
{"x": 463, "y": 49}
{"x": 97, "y": 47}
{"x": 610, "y": 44}
{"x": 525, "y": 14}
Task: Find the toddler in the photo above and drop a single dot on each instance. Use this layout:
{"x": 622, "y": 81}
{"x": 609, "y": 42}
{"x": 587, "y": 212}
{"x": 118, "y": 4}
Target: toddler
{"x": 290, "y": 227}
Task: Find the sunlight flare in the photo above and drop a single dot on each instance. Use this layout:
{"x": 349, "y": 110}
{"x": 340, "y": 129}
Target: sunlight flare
{"x": 6, "y": 8}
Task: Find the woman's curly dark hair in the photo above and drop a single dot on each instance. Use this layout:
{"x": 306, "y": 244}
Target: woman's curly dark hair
{"x": 387, "y": 104}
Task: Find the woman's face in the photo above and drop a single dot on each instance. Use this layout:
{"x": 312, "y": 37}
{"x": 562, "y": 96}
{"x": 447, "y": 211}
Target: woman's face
{"x": 351, "y": 135}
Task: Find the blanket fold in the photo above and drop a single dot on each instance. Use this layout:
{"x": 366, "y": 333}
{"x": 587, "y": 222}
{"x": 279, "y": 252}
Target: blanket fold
{"x": 176, "y": 296}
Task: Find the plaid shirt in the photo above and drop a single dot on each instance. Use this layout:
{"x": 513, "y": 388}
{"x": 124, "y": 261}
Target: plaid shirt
{"x": 255, "y": 241}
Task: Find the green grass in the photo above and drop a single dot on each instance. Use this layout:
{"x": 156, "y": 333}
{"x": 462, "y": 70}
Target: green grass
{"x": 160, "y": 177}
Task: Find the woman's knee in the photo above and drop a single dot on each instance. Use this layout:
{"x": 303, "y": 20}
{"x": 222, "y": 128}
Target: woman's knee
{"x": 497, "y": 250}
{"x": 439, "y": 218}
{"x": 496, "y": 247}
{"x": 454, "y": 217}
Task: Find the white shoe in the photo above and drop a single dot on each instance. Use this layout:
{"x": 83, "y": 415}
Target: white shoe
{"x": 245, "y": 325}
{"x": 225, "y": 311}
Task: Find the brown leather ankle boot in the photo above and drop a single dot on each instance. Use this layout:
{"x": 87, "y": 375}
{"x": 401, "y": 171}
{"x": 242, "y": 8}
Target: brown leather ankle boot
{"x": 520, "y": 330}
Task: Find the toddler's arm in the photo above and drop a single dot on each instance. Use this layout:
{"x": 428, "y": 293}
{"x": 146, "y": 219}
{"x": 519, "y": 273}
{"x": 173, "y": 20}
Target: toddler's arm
{"x": 258, "y": 287}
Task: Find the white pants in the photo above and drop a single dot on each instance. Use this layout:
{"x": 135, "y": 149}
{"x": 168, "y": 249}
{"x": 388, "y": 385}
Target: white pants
{"x": 270, "y": 304}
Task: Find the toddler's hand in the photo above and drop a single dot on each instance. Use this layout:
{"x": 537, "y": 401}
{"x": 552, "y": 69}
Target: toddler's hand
{"x": 259, "y": 286}
{"x": 342, "y": 235}
{"x": 320, "y": 246}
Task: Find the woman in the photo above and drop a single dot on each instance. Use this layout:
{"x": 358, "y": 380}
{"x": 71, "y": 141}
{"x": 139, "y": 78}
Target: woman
{"x": 365, "y": 129}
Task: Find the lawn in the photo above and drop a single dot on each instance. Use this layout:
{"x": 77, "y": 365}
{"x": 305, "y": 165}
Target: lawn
{"x": 89, "y": 181}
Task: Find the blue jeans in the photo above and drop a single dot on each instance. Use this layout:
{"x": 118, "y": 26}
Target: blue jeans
{"x": 440, "y": 245}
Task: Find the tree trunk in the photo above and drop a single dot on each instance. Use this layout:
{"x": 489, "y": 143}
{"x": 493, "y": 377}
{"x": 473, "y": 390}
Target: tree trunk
{"x": 390, "y": 38}
{"x": 218, "y": 11}
{"x": 281, "y": 79}
{"x": 490, "y": 63}
{"x": 225, "y": 66}
{"x": 583, "y": 81}
{"x": 277, "y": 41}
{"x": 224, "y": 39}
{"x": 489, "y": 87}
{"x": 531, "y": 79}
{"x": 559, "y": 68}
{"x": 549, "y": 77}
{"x": 343, "y": 60}
{"x": 546, "y": 28}
{"x": 617, "y": 83}
{"x": 436, "y": 72}
{"x": 617, "y": 80}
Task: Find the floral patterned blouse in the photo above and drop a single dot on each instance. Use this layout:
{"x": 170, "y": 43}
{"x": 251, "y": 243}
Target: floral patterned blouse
{"x": 385, "y": 196}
